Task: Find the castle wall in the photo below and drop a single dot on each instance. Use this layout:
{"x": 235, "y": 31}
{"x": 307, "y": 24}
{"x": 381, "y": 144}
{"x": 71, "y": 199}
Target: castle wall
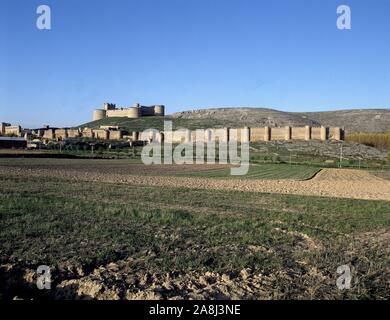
{"x": 278, "y": 134}
{"x": 39, "y": 132}
{"x": 143, "y": 136}
{"x": 127, "y": 113}
{"x": 147, "y": 111}
{"x": 298, "y": 133}
{"x": 115, "y": 135}
{"x": 61, "y": 134}
{"x": 336, "y": 133}
{"x": 101, "y": 134}
{"x": 135, "y": 136}
{"x": 198, "y": 136}
{"x": 99, "y": 114}
{"x": 109, "y": 106}
{"x": 179, "y": 136}
{"x": 257, "y": 134}
{"x": 235, "y": 134}
{"x": 49, "y": 134}
{"x": 307, "y": 133}
{"x": 316, "y": 133}
{"x": 73, "y": 133}
{"x": 159, "y": 110}
{"x": 109, "y": 110}
{"x": 88, "y": 133}
{"x": 133, "y": 113}
{"x": 324, "y": 133}
{"x": 213, "y": 134}
{"x": 287, "y": 133}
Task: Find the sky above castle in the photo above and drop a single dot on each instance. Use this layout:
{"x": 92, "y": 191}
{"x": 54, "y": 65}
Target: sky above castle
{"x": 189, "y": 54}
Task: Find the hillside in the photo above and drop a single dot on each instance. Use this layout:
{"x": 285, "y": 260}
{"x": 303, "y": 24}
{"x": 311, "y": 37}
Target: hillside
{"x": 259, "y": 117}
{"x": 359, "y": 120}
{"x": 141, "y": 124}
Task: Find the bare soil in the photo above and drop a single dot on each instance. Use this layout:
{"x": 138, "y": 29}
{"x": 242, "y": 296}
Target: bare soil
{"x": 340, "y": 183}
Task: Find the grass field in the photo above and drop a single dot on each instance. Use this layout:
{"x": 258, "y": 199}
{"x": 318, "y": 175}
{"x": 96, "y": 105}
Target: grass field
{"x": 131, "y": 240}
{"x": 264, "y": 171}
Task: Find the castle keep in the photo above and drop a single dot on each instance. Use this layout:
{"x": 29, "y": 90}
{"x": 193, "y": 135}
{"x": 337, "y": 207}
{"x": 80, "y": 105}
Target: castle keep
{"x": 136, "y": 111}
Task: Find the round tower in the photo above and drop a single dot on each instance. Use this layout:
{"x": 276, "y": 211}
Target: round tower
{"x": 159, "y": 110}
{"x": 133, "y": 112}
{"x": 99, "y": 114}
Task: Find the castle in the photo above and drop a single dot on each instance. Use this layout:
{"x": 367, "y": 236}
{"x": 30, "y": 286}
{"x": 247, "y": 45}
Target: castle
{"x": 114, "y": 132}
{"x": 136, "y": 111}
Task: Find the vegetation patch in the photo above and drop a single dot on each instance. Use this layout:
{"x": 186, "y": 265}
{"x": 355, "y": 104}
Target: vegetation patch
{"x": 169, "y": 242}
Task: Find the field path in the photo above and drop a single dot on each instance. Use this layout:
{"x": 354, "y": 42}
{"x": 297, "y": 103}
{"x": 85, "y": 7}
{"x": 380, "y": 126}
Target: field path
{"x": 340, "y": 183}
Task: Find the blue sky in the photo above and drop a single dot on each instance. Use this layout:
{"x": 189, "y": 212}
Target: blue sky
{"x": 190, "y": 54}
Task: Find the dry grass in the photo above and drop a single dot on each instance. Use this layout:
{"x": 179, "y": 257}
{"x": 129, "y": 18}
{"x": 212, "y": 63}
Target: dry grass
{"x": 129, "y": 241}
{"x": 377, "y": 140}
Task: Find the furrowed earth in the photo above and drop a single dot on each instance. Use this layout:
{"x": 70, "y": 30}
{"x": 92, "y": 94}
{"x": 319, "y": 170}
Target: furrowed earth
{"x": 113, "y": 229}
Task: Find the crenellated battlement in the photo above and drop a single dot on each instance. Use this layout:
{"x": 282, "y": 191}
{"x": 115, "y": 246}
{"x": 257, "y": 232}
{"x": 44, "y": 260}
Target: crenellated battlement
{"x": 110, "y": 110}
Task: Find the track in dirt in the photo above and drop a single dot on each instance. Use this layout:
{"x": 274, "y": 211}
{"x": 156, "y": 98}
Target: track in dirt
{"x": 340, "y": 183}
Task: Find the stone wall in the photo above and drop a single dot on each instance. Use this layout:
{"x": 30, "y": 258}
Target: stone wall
{"x": 316, "y": 133}
{"x": 205, "y": 135}
{"x": 254, "y": 134}
{"x": 101, "y": 134}
{"x": 127, "y": 113}
{"x": 115, "y": 135}
{"x": 61, "y": 134}
{"x": 278, "y": 134}
{"x": 49, "y": 134}
{"x": 73, "y": 133}
{"x": 87, "y": 133}
{"x": 257, "y": 134}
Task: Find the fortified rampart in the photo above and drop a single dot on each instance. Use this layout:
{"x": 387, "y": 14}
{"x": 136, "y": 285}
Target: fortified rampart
{"x": 184, "y": 135}
{"x": 136, "y": 111}
{"x": 245, "y": 134}
{"x": 103, "y": 133}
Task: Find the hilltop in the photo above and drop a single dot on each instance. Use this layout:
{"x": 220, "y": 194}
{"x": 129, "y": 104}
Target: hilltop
{"x": 357, "y": 120}
{"x": 140, "y": 124}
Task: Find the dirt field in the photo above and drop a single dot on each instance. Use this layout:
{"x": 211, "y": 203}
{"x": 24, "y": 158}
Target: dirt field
{"x": 340, "y": 183}
{"x": 160, "y": 232}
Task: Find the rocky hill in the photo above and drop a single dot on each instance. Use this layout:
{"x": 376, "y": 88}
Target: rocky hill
{"x": 357, "y": 120}
{"x": 363, "y": 120}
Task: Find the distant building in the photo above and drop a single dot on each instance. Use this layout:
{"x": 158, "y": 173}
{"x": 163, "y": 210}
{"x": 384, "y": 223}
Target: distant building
{"x": 136, "y": 111}
{"x": 7, "y": 130}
